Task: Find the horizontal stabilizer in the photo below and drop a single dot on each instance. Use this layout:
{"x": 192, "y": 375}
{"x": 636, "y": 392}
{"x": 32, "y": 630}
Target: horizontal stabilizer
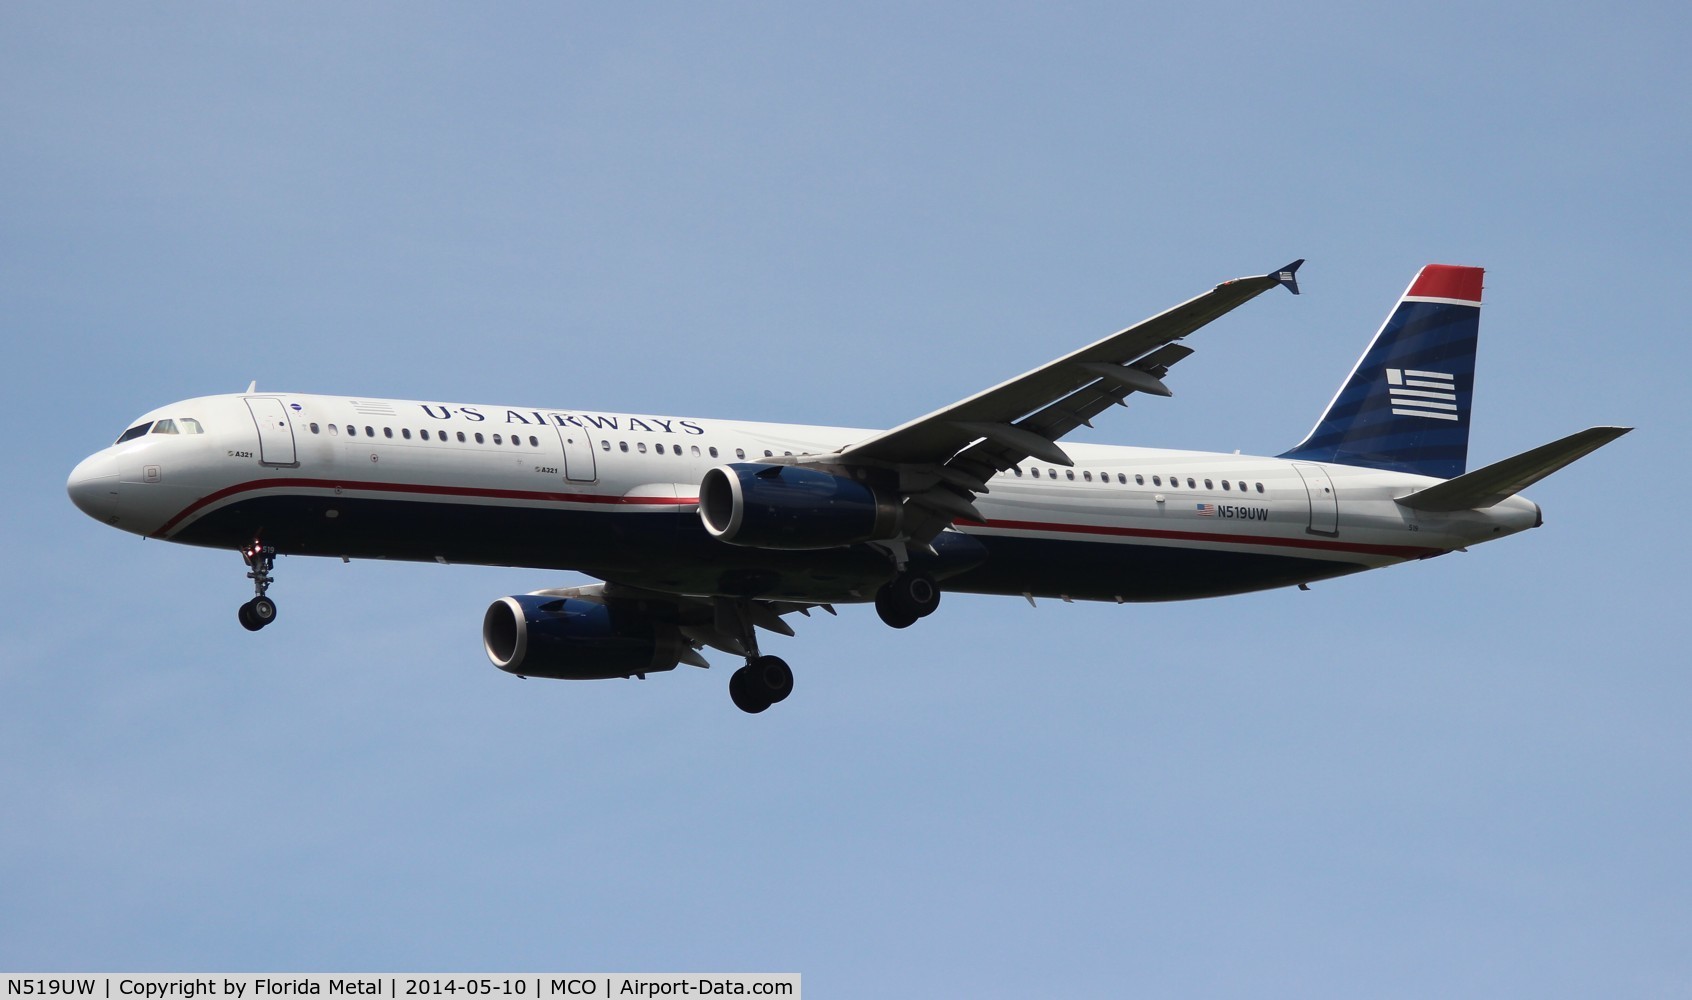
{"x": 1502, "y": 480}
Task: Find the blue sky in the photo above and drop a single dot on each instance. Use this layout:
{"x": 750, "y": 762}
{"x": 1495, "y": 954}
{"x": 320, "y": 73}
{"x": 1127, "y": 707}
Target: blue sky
{"x": 1463, "y": 777}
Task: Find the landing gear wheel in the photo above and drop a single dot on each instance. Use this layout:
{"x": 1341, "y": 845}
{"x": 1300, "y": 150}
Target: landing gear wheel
{"x": 891, "y": 611}
{"x": 906, "y": 598}
{"x": 773, "y": 677}
{"x": 743, "y": 690}
{"x": 261, "y": 610}
{"x": 761, "y": 683}
{"x": 257, "y": 613}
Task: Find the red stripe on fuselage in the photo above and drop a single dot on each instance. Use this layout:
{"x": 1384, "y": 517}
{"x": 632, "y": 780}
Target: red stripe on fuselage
{"x": 256, "y": 485}
{"x": 1398, "y": 551}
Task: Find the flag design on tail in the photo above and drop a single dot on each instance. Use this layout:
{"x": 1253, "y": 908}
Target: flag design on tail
{"x": 1405, "y": 406}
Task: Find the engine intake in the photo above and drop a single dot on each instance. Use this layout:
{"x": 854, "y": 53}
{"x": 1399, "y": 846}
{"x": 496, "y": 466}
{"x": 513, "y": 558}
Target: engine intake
{"x": 571, "y": 639}
{"x": 791, "y": 507}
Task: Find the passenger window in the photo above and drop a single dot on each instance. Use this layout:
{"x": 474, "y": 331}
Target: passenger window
{"x": 165, "y": 427}
{"x": 695, "y": 451}
{"x": 1225, "y": 484}
{"x": 332, "y": 431}
{"x": 387, "y": 432}
{"x": 369, "y": 431}
{"x": 533, "y": 441}
{"x": 640, "y": 446}
{"x": 479, "y": 438}
{"x": 740, "y": 453}
{"x": 1088, "y": 476}
{"x": 1018, "y": 470}
{"x": 352, "y": 431}
{"x": 133, "y": 433}
{"x": 424, "y": 434}
{"x": 497, "y": 440}
{"x": 460, "y": 437}
{"x": 314, "y": 428}
{"x": 1139, "y": 480}
{"x": 1070, "y": 473}
{"x": 768, "y": 453}
{"x": 659, "y": 448}
{"x": 1157, "y": 480}
{"x": 712, "y": 451}
{"x": 1260, "y": 487}
{"x": 405, "y": 432}
{"x": 605, "y": 446}
{"x": 623, "y": 446}
{"x": 1190, "y": 484}
{"x": 1209, "y": 485}
{"x": 191, "y": 426}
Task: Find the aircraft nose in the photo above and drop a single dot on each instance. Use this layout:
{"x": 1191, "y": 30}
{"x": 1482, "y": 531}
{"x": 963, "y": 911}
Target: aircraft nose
{"x": 93, "y": 487}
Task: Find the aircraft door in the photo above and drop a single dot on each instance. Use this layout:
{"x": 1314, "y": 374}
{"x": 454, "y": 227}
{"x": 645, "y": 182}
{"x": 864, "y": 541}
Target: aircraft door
{"x": 578, "y": 450}
{"x": 1324, "y": 502}
{"x": 276, "y": 433}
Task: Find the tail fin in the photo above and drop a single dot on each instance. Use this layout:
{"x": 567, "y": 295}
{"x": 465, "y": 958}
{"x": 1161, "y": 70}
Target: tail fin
{"x": 1405, "y": 406}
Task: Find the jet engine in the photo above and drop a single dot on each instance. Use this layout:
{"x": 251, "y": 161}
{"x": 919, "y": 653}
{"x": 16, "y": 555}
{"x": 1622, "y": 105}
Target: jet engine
{"x": 535, "y": 635}
{"x": 791, "y": 507}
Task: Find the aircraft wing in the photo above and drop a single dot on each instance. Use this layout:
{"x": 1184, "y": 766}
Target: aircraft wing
{"x": 946, "y": 457}
{"x": 721, "y": 623}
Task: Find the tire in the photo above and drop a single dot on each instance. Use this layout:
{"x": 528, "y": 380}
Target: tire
{"x": 263, "y": 610}
{"x": 248, "y": 622}
{"x": 772, "y": 678}
{"x": 893, "y": 611}
{"x": 744, "y": 692}
{"x": 919, "y": 592}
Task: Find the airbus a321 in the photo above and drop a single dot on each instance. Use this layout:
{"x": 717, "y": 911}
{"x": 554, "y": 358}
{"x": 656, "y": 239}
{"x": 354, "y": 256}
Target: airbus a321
{"x": 707, "y": 531}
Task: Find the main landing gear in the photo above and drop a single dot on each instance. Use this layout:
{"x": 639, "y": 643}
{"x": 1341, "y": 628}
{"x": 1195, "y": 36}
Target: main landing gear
{"x": 765, "y": 680}
{"x": 261, "y": 610}
{"x": 907, "y": 597}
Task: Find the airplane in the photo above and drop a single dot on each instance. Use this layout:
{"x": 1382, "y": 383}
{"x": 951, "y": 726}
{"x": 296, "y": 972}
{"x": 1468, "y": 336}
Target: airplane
{"x": 707, "y": 531}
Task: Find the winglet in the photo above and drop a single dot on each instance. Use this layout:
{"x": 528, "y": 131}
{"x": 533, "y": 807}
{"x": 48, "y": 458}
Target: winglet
{"x": 1288, "y": 275}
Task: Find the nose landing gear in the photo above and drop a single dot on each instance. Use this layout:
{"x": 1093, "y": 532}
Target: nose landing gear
{"x": 261, "y": 610}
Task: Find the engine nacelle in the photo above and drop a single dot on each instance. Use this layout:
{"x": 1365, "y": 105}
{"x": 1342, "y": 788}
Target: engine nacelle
{"x": 571, "y": 639}
{"x": 792, "y": 507}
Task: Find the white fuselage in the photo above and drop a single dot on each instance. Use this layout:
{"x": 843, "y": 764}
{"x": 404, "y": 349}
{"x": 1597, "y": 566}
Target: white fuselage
{"x": 615, "y": 495}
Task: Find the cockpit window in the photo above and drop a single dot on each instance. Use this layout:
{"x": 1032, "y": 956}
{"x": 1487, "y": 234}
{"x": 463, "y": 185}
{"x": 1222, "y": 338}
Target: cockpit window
{"x": 134, "y": 432}
{"x": 165, "y": 427}
{"x": 189, "y": 425}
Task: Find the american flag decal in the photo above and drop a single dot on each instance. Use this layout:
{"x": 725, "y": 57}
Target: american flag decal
{"x": 1422, "y": 394}
{"x": 1206, "y": 510}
